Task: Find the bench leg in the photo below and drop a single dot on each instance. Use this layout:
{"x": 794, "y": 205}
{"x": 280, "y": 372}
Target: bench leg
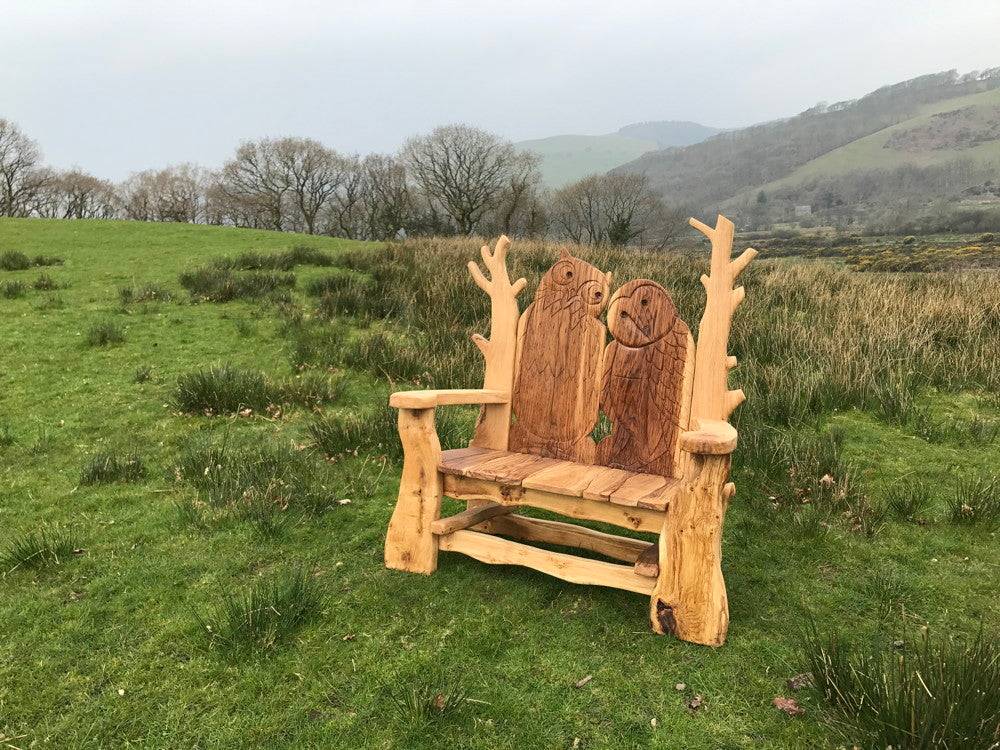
{"x": 689, "y": 600}
{"x": 409, "y": 544}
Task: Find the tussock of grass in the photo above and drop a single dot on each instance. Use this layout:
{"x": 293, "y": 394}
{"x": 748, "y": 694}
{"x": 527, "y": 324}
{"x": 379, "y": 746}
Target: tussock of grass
{"x": 41, "y": 548}
{"x": 215, "y": 284}
{"x": 14, "y": 289}
{"x": 227, "y": 389}
{"x": 976, "y": 500}
{"x": 911, "y": 501}
{"x": 45, "y": 283}
{"x": 148, "y": 292}
{"x": 247, "y": 480}
{"x": 375, "y": 430}
{"x": 421, "y": 703}
{"x": 300, "y": 255}
{"x": 266, "y": 614}
{"x": 142, "y": 374}
{"x": 105, "y": 333}
{"x": 110, "y": 467}
{"x": 942, "y": 694}
{"x": 13, "y": 260}
{"x": 7, "y": 435}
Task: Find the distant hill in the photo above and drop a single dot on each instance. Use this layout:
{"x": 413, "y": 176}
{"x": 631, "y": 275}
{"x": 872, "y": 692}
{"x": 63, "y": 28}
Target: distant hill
{"x": 933, "y": 138}
{"x": 565, "y": 158}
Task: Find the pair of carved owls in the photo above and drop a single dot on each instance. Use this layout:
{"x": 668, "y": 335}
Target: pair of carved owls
{"x": 561, "y": 353}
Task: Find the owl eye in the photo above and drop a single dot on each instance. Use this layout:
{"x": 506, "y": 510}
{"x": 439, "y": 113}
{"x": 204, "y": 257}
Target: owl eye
{"x": 562, "y": 273}
{"x": 644, "y": 302}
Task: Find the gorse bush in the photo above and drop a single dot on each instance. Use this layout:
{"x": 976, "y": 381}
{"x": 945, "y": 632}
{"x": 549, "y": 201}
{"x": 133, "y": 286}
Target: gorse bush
{"x": 217, "y": 284}
{"x": 264, "y": 615}
{"x": 113, "y": 467}
{"x": 942, "y": 694}
{"x": 41, "y": 548}
{"x": 227, "y": 389}
{"x": 105, "y": 333}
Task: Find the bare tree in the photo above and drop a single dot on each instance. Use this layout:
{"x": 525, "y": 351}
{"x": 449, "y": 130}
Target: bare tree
{"x": 21, "y": 175}
{"x": 615, "y": 209}
{"x": 75, "y": 194}
{"x": 389, "y": 204}
{"x": 256, "y": 185}
{"x": 464, "y": 170}
{"x": 313, "y": 174}
{"x": 171, "y": 194}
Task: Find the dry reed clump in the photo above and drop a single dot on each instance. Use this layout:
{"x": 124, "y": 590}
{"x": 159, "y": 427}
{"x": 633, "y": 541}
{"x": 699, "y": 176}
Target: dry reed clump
{"x": 811, "y": 337}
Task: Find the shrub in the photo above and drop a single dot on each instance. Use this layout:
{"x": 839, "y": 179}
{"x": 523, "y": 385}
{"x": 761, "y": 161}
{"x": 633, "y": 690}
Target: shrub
{"x": 14, "y": 289}
{"x": 113, "y": 467}
{"x": 300, "y": 255}
{"x": 41, "y": 548}
{"x": 13, "y": 260}
{"x": 264, "y": 615}
{"x": 940, "y": 695}
{"x": 105, "y": 333}
{"x": 45, "y": 283}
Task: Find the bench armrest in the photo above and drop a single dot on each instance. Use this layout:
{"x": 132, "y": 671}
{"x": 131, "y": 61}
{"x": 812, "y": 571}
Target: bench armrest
{"x": 430, "y": 399}
{"x": 712, "y": 438}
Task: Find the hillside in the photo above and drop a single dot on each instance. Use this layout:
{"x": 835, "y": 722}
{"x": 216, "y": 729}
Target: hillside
{"x": 565, "y": 158}
{"x": 937, "y": 132}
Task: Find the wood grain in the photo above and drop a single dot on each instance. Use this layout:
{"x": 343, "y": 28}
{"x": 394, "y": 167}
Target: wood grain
{"x": 566, "y": 535}
{"x": 495, "y": 551}
{"x": 637, "y": 519}
{"x": 690, "y": 598}
{"x": 468, "y": 518}
{"x": 409, "y": 543}
{"x": 642, "y": 387}
{"x": 560, "y": 346}
{"x": 498, "y": 350}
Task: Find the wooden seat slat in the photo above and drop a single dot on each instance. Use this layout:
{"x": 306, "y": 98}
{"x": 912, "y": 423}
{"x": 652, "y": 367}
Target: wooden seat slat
{"x": 567, "y": 478}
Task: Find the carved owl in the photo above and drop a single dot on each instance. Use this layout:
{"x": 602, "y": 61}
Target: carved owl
{"x": 560, "y": 346}
{"x": 642, "y": 384}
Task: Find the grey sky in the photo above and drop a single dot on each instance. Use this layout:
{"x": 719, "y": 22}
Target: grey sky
{"x": 116, "y": 86}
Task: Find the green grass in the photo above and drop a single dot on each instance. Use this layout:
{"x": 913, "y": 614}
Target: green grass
{"x": 110, "y": 648}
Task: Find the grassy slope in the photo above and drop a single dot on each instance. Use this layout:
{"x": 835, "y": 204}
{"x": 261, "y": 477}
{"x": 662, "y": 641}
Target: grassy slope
{"x": 868, "y": 153}
{"x": 566, "y": 158}
{"x": 122, "y": 616}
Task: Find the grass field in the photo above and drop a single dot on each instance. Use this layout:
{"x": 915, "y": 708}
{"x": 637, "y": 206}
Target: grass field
{"x": 168, "y": 513}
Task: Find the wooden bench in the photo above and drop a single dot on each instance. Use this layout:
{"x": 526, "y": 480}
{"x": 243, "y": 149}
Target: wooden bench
{"x": 550, "y": 372}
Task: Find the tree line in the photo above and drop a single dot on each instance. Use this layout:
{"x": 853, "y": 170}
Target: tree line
{"x": 456, "y": 179}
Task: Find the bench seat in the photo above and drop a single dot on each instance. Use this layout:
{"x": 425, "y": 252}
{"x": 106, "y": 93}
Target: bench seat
{"x": 567, "y": 478}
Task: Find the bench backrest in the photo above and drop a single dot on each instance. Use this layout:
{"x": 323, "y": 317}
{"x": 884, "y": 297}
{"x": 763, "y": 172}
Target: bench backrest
{"x": 566, "y": 373}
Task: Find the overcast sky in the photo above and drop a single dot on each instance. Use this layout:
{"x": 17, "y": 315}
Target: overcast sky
{"x": 115, "y": 86}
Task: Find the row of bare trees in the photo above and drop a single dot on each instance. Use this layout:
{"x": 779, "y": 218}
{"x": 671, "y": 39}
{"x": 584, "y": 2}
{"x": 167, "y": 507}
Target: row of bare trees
{"x": 454, "y": 180}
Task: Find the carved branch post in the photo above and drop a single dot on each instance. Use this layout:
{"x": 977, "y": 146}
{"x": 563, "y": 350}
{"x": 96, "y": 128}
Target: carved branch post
{"x": 689, "y": 600}
{"x": 409, "y": 544}
{"x": 493, "y": 427}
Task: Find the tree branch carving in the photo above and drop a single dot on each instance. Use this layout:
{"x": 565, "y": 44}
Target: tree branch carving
{"x": 498, "y": 350}
{"x": 712, "y": 399}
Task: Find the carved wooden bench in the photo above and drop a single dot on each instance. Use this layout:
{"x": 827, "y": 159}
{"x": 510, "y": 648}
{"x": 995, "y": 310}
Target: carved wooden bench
{"x": 550, "y": 372}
